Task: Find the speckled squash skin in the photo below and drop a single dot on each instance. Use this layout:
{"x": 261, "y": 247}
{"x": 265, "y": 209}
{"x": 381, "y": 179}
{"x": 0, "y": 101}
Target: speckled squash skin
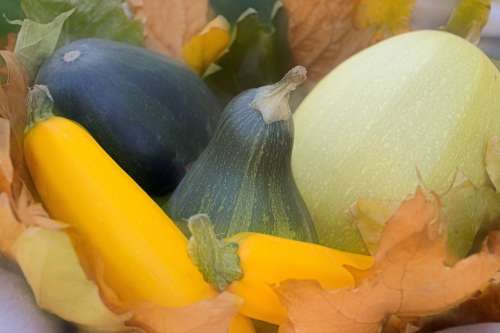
{"x": 243, "y": 180}
{"x": 424, "y": 100}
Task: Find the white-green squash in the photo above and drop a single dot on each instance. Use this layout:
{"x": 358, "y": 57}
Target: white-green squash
{"x": 426, "y": 100}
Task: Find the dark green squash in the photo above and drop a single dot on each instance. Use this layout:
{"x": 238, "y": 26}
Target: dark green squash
{"x": 243, "y": 180}
{"x": 151, "y": 114}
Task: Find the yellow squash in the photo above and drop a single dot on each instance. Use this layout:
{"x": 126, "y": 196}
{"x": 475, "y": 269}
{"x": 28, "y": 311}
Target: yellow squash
{"x": 268, "y": 260}
{"x": 143, "y": 253}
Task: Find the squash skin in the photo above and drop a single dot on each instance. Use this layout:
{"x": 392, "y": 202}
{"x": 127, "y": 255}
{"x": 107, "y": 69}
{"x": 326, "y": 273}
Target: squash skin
{"x": 264, "y": 268}
{"x": 428, "y": 100}
{"x": 152, "y": 115}
{"x": 138, "y": 245}
{"x": 243, "y": 180}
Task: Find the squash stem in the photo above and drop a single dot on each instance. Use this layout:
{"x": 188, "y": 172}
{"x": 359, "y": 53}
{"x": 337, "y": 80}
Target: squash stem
{"x": 272, "y": 101}
{"x": 469, "y": 18}
{"x": 40, "y": 105}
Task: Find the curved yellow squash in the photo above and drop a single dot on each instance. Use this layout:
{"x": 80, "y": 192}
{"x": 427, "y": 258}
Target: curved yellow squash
{"x": 268, "y": 260}
{"x": 143, "y": 253}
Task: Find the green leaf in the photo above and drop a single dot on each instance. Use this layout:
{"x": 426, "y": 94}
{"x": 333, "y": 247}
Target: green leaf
{"x": 92, "y": 18}
{"x": 469, "y": 18}
{"x": 469, "y": 212}
{"x": 36, "y": 42}
{"x": 493, "y": 161}
{"x": 233, "y": 9}
{"x": 259, "y": 55}
{"x": 216, "y": 259}
{"x": 9, "y": 10}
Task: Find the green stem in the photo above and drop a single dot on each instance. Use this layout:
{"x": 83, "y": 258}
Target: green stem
{"x": 40, "y": 105}
{"x": 272, "y": 101}
{"x": 469, "y": 18}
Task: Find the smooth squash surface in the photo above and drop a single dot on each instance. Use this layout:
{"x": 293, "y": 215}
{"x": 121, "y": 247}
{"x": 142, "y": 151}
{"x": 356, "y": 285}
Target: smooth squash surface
{"x": 424, "y": 100}
{"x": 152, "y": 115}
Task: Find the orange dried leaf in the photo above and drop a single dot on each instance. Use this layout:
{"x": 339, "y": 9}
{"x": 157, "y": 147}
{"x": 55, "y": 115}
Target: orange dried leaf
{"x": 212, "y": 316}
{"x": 6, "y": 168}
{"x": 169, "y": 24}
{"x": 10, "y": 228}
{"x": 323, "y": 33}
{"x": 410, "y": 278}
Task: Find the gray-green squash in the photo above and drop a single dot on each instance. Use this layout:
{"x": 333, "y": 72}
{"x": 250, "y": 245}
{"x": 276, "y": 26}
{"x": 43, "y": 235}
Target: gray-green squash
{"x": 243, "y": 180}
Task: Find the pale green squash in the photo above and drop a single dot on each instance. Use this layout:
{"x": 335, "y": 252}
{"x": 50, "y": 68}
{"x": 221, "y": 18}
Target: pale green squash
{"x": 425, "y": 100}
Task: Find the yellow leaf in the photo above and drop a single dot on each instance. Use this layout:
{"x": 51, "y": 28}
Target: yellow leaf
{"x": 205, "y": 48}
{"x": 389, "y": 17}
{"x": 52, "y": 269}
{"x": 169, "y": 24}
{"x": 493, "y": 161}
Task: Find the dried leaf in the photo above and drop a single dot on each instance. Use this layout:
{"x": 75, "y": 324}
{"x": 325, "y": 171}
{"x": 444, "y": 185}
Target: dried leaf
{"x": 205, "y": 48}
{"x": 13, "y": 108}
{"x": 410, "y": 278}
{"x": 52, "y": 269}
{"x": 10, "y": 227}
{"x": 6, "y": 168}
{"x": 323, "y": 33}
{"x": 370, "y": 217}
{"x": 169, "y": 24}
{"x": 211, "y": 316}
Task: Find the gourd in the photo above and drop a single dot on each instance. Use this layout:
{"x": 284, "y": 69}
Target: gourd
{"x": 426, "y": 101}
{"x": 268, "y": 260}
{"x": 243, "y": 180}
{"x": 143, "y": 254}
{"x": 151, "y": 115}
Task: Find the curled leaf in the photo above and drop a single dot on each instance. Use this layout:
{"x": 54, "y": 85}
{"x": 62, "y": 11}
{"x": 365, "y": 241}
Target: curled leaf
{"x": 37, "y": 41}
{"x": 205, "y": 48}
{"x": 169, "y": 24}
{"x": 323, "y": 33}
{"x": 410, "y": 278}
{"x": 216, "y": 259}
{"x": 211, "y": 316}
{"x": 52, "y": 269}
{"x": 232, "y": 9}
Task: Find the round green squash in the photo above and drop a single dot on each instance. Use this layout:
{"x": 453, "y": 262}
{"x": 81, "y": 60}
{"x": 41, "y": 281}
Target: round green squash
{"x": 425, "y": 101}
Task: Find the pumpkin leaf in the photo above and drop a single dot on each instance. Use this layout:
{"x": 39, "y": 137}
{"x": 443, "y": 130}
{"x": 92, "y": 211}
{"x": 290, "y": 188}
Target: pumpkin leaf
{"x": 52, "y": 269}
{"x": 92, "y": 18}
{"x": 324, "y": 33}
{"x": 170, "y": 24}
{"x": 259, "y": 55}
{"x": 409, "y": 278}
{"x": 217, "y": 260}
{"x": 370, "y": 217}
{"x": 36, "y": 42}
{"x": 469, "y": 18}
{"x": 468, "y": 210}
{"x": 205, "y": 48}
{"x": 211, "y": 316}
{"x": 232, "y": 10}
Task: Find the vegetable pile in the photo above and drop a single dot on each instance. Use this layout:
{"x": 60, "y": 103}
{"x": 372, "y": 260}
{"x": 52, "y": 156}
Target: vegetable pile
{"x": 173, "y": 166}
